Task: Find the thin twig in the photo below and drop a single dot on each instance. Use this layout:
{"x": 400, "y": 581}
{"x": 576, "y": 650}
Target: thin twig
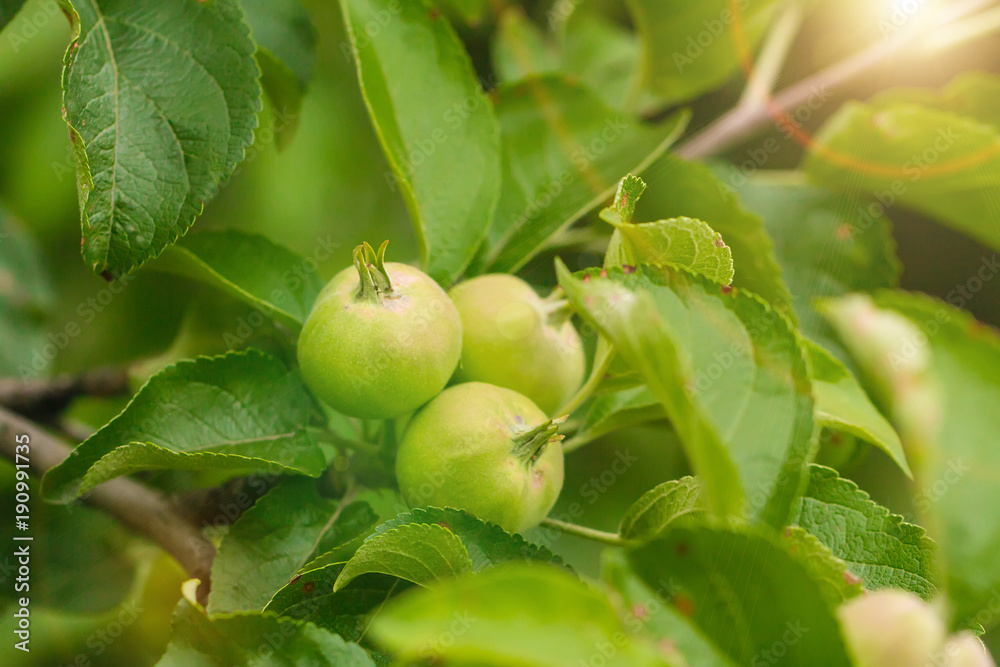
{"x": 773, "y": 54}
{"x": 144, "y": 510}
{"x": 593, "y": 534}
{"x": 744, "y": 121}
{"x": 597, "y": 374}
{"x": 46, "y": 397}
{"x": 962, "y": 32}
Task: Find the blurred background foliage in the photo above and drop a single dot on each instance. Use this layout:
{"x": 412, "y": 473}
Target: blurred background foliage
{"x": 331, "y": 185}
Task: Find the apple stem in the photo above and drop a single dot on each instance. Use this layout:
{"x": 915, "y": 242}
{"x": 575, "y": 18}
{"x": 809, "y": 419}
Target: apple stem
{"x": 612, "y": 539}
{"x": 375, "y": 283}
{"x": 601, "y": 366}
{"x": 556, "y": 308}
{"x": 528, "y": 446}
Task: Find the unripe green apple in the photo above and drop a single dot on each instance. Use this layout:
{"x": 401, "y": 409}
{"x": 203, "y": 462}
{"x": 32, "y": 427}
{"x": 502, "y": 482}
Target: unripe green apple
{"x": 381, "y": 340}
{"x": 891, "y": 629}
{"x": 966, "y": 650}
{"x": 485, "y": 449}
{"x": 513, "y": 338}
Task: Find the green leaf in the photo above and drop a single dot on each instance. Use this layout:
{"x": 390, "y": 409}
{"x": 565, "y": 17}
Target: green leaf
{"x": 564, "y": 153}
{"x": 836, "y": 583}
{"x": 310, "y": 597}
{"x": 745, "y": 592}
{"x": 279, "y": 282}
{"x": 80, "y": 560}
{"x": 486, "y": 543}
{"x": 286, "y": 45}
{"x": 878, "y": 547}
{"x": 729, "y": 370}
{"x": 622, "y": 208}
{"x": 605, "y": 56}
{"x": 276, "y": 538}
{"x": 443, "y": 148}
{"x": 589, "y": 48}
{"x": 842, "y": 405}
{"x": 154, "y": 138}
{"x": 382, "y": 505}
{"x": 678, "y": 188}
{"x": 251, "y": 639}
{"x": 26, "y": 299}
{"x": 658, "y": 620}
{"x": 8, "y": 10}
{"x": 469, "y": 11}
{"x": 938, "y": 369}
{"x": 690, "y": 47}
{"x": 678, "y": 242}
{"x": 417, "y": 552}
{"x": 973, "y": 94}
{"x": 241, "y": 412}
{"x": 659, "y": 507}
{"x": 825, "y": 247}
{"x": 614, "y": 411}
{"x": 486, "y": 621}
{"x": 933, "y": 153}
{"x": 520, "y": 48}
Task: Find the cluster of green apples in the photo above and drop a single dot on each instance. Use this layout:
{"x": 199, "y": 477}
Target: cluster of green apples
{"x": 384, "y": 340}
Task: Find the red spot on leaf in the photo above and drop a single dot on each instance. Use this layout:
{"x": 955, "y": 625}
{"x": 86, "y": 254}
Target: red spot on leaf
{"x": 308, "y": 587}
{"x": 844, "y": 232}
{"x": 107, "y": 276}
{"x": 682, "y": 549}
{"x": 668, "y": 647}
{"x": 719, "y": 242}
{"x": 628, "y": 268}
{"x": 434, "y": 13}
{"x": 685, "y": 605}
{"x": 851, "y": 579}
{"x": 604, "y": 273}
{"x": 640, "y": 611}
{"x": 727, "y": 289}
{"x": 295, "y": 578}
{"x": 586, "y": 278}
{"x": 444, "y": 524}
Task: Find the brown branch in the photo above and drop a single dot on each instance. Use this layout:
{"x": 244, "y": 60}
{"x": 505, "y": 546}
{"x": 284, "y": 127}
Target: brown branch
{"x": 745, "y": 120}
{"x": 144, "y": 510}
{"x": 42, "y": 398}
